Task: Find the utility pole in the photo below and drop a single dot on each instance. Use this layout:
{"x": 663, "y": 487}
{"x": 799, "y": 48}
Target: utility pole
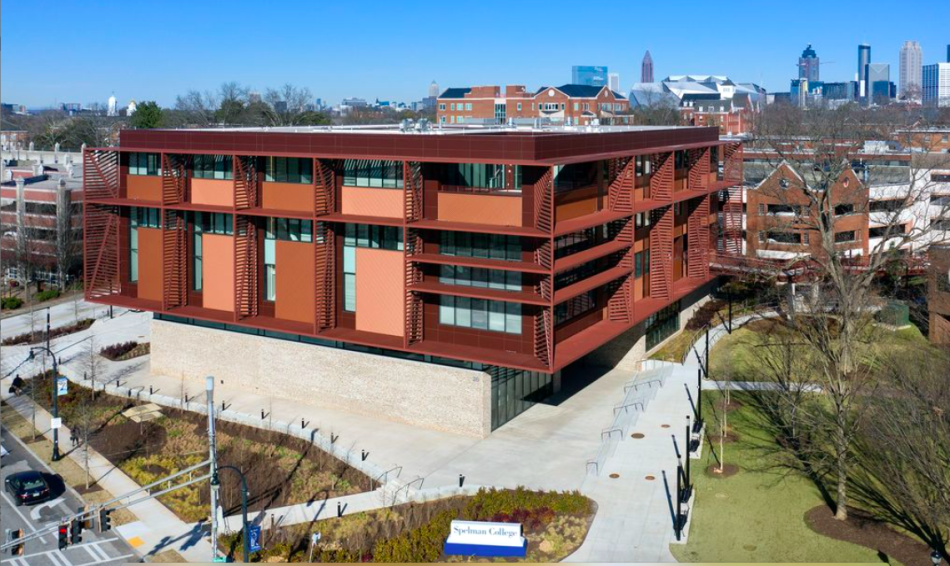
{"x": 213, "y": 453}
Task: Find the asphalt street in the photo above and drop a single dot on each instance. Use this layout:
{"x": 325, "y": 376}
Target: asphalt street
{"x": 95, "y": 549}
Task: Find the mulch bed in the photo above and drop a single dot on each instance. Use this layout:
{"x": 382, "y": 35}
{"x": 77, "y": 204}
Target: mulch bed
{"x": 860, "y": 528}
{"x": 728, "y": 470}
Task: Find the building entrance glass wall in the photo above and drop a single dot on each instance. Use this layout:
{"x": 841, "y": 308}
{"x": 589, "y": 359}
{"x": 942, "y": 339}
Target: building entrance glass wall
{"x": 515, "y": 391}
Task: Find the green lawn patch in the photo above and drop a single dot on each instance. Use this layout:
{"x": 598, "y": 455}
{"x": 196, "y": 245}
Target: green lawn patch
{"x": 756, "y": 515}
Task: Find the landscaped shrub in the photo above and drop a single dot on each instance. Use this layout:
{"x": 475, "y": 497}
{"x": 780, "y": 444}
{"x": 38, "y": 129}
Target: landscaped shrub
{"x": 116, "y": 351}
{"x": 11, "y": 303}
{"x": 424, "y": 544}
{"x": 488, "y": 503}
{"x": 40, "y": 335}
{"x": 47, "y": 295}
{"x": 705, "y": 314}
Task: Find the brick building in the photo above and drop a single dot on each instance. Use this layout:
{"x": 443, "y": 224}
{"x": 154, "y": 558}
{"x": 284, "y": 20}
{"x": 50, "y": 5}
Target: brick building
{"x": 938, "y": 302}
{"x": 445, "y": 278}
{"x": 565, "y": 104}
{"x": 36, "y": 207}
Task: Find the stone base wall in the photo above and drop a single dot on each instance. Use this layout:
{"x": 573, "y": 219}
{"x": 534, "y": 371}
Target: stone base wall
{"x": 427, "y": 395}
{"x": 626, "y": 351}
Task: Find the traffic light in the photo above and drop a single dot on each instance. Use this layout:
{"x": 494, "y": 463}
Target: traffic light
{"x": 63, "y": 536}
{"x": 13, "y": 536}
{"x": 105, "y": 521}
{"x": 75, "y": 531}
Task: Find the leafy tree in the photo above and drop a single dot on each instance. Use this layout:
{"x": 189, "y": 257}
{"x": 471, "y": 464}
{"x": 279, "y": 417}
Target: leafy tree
{"x": 147, "y": 115}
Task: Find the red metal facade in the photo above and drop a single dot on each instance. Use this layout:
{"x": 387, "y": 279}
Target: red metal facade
{"x": 542, "y": 346}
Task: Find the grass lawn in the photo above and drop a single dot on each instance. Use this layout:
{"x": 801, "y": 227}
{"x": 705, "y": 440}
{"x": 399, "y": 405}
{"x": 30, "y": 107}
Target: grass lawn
{"x": 757, "y": 514}
{"x": 676, "y": 349}
{"x": 736, "y": 356}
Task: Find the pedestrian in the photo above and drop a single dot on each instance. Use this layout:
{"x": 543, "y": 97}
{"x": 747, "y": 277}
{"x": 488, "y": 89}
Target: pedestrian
{"x": 74, "y": 437}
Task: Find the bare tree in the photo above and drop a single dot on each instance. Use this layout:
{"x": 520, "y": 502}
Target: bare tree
{"x": 91, "y": 362}
{"x": 816, "y": 152}
{"x": 290, "y": 106}
{"x": 68, "y": 244}
{"x": 197, "y": 108}
{"x": 905, "y": 448}
{"x": 233, "y": 100}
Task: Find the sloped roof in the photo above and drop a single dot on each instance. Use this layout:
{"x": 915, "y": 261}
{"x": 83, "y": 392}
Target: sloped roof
{"x": 579, "y": 91}
{"x": 455, "y": 92}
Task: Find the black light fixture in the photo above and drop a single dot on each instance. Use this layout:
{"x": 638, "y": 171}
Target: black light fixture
{"x": 936, "y": 557}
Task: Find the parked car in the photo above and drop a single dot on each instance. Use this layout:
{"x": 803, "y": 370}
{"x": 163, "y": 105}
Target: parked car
{"x": 27, "y": 488}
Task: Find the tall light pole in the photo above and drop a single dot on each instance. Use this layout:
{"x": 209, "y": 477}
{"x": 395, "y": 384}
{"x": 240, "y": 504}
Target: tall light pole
{"x": 56, "y": 455}
{"x": 244, "y": 525}
{"x": 213, "y": 452}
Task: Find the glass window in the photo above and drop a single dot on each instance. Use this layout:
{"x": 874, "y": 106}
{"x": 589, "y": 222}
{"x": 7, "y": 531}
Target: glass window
{"x": 372, "y": 173}
{"x": 144, "y": 164}
{"x": 213, "y": 167}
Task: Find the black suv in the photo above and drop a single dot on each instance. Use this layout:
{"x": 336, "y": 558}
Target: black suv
{"x": 28, "y": 488}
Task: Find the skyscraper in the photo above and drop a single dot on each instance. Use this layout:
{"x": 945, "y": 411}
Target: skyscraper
{"x": 589, "y": 75}
{"x": 808, "y": 65}
{"x": 864, "y": 59}
{"x": 935, "y": 85}
{"x": 911, "y": 60}
{"x": 646, "y": 68}
{"x": 434, "y": 89}
{"x": 613, "y": 80}
{"x": 879, "y": 82}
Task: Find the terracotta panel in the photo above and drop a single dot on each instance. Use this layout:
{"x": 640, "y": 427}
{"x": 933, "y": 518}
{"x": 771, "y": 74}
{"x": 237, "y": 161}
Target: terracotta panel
{"x": 387, "y": 203}
{"x": 213, "y": 192}
{"x": 218, "y": 271}
{"x": 480, "y": 209}
{"x": 575, "y": 204}
{"x": 144, "y": 187}
{"x": 380, "y": 291}
{"x": 150, "y": 264}
{"x": 287, "y": 196}
{"x": 295, "y": 293}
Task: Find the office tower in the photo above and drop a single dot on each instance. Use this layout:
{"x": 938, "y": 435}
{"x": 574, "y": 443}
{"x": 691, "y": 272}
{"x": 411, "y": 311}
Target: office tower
{"x": 589, "y": 75}
{"x": 935, "y": 86}
{"x": 879, "y": 81}
{"x": 864, "y": 59}
{"x": 434, "y": 89}
{"x": 808, "y": 65}
{"x": 911, "y": 60}
{"x": 646, "y": 68}
{"x": 613, "y": 80}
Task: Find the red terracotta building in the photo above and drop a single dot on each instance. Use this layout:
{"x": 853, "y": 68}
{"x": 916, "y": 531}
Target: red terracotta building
{"x": 502, "y": 256}
{"x": 568, "y": 104}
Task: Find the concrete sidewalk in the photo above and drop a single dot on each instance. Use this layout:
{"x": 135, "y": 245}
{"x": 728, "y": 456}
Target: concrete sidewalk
{"x": 158, "y": 528}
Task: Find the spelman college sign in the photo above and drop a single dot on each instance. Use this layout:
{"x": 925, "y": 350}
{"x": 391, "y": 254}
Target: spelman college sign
{"x": 478, "y": 538}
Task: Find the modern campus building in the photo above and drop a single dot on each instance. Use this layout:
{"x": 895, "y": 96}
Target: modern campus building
{"x": 333, "y": 263}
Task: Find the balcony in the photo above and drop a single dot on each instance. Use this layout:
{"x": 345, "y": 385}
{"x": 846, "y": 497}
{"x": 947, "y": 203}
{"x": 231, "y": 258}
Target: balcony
{"x": 466, "y": 261}
{"x": 436, "y": 288}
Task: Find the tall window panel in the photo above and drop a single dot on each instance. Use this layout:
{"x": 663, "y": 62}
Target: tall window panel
{"x": 198, "y": 271}
{"x": 374, "y": 173}
{"x": 213, "y": 167}
{"x": 495, "y": 316}
{"x": 145, "y": 164}
{"x": 288, "y": 169}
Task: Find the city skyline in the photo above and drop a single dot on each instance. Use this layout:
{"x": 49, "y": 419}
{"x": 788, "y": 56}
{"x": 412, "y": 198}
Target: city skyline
{"x": 373, "y": 68}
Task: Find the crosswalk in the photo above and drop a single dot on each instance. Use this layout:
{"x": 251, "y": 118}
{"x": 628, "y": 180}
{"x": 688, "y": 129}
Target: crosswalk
{"x": 88, "y": 554}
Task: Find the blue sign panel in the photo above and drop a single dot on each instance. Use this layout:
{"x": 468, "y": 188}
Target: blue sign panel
{"x": 254, "y": 537}
{"x": 479, "y": 538}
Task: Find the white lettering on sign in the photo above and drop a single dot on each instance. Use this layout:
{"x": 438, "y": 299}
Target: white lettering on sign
{"x": 485, "y": 533}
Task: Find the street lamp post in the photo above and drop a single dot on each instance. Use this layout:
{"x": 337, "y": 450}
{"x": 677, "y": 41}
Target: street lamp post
{"x": 244, "y": 525}
{"x": 936, "y": 557}
{"x": 56, "y": 456}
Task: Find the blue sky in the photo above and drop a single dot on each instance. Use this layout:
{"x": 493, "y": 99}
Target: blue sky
{"x": 83, "y": 50}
